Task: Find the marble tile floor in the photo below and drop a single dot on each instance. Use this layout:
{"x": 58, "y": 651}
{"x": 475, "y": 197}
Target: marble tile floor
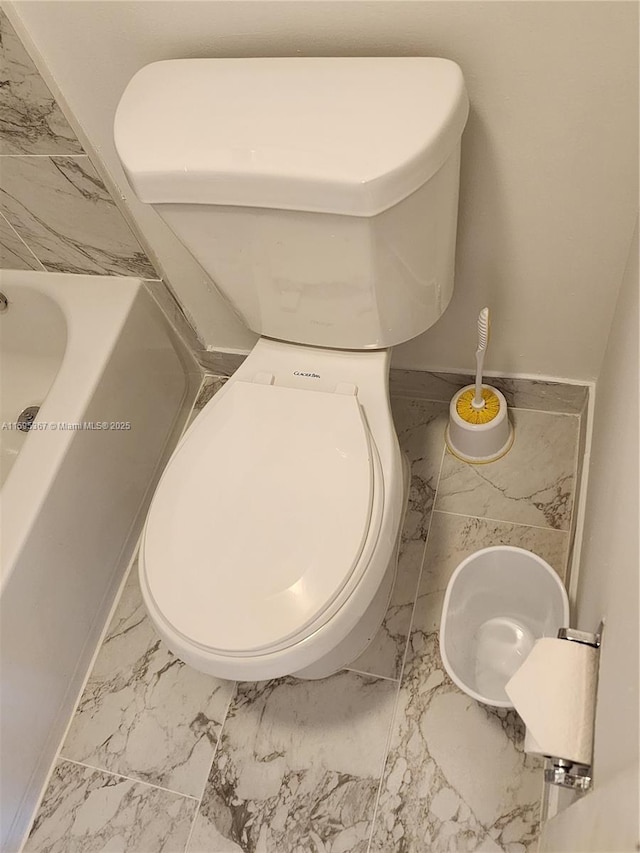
{"x": 385, "y": 757}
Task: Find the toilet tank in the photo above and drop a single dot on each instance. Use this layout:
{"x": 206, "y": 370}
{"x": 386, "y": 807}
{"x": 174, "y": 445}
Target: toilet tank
{"x": 320, "y": 194}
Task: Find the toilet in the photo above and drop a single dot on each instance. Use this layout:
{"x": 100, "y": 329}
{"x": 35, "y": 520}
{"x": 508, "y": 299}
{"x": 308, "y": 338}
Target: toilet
{"x": 320, "y": 195}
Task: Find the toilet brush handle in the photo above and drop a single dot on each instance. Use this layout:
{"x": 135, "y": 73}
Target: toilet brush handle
{"x": 478, "y": 402}
{"x": 483, "y": 341}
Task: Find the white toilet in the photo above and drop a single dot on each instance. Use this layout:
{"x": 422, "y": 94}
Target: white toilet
{"x": 321, "y": 196}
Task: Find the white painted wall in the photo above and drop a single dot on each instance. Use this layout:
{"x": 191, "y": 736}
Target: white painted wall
{"x": 549, "y": 175}
{"x": 608, "y": 588}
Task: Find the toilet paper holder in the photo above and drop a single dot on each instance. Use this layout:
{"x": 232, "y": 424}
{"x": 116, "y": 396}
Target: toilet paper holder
{"x": 559, "y": 771}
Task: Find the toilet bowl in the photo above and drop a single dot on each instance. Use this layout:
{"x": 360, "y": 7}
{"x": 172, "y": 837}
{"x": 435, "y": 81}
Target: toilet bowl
{"x": 270, "y": 547}
{"x": 271, "y": 543}
{"x": 498, "y": 602}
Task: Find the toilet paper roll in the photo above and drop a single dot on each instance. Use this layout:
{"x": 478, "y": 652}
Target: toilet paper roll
{"x": 554, "y": 691}
{"x": 531, "y": 744}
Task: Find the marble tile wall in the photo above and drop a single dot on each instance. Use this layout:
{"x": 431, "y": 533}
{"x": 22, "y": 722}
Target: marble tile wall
{"x": 387, "y": 756}
{"x": 55, "y": 212}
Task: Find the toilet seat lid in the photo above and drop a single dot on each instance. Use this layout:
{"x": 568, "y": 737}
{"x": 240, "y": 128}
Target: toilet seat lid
{"x": 260, "y": 517}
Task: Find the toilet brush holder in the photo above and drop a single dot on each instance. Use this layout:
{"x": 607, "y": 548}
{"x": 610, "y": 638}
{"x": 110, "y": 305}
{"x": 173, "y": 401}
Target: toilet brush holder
{"x": 478, "y": 442}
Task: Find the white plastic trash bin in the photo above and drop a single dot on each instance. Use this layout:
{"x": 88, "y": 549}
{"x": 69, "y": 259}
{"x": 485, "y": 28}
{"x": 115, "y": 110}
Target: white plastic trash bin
{"x": 499, "y": 601}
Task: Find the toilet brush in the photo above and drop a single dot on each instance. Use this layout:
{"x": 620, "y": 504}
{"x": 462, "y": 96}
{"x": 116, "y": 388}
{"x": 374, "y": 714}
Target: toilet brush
{"x": 478, "y": 405}
{"x": 479, "y": 429}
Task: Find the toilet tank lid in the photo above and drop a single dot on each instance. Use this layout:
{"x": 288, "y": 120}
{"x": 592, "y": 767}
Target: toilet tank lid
{"x": 351, "y": 135}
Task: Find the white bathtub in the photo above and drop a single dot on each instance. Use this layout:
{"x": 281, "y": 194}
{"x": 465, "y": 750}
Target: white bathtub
{"x": 115, "y": 386}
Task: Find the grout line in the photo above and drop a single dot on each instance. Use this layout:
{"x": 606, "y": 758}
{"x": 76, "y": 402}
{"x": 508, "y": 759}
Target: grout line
{"x": 574, "y": 502}
{"x": 435, "y": 494}
{"x": 26, "y": 245}
{"x": 387, "y": 747}
{"x": 544, "y": 412}
{"x": 213, "y": 756}
{"x": 397, "y": 395}
{"x": 128, "y": 778}
{"x": 404, "y": 657}
{"x": 573, "y": 568}
{"x": 40, "y": 156}
{"x": 500, "y": 521}
{"x": 369, "y": 674}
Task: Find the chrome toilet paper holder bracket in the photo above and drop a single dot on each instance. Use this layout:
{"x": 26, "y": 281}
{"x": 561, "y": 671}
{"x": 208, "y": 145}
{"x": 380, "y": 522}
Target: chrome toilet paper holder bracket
{"x": 585, "y": 638}
{"x": 568, "y": 774}
{"x": 560, "y": 771}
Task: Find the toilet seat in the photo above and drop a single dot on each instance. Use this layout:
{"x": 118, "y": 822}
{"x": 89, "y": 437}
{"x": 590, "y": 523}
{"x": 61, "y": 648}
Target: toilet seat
{"x": 281, "y": 454}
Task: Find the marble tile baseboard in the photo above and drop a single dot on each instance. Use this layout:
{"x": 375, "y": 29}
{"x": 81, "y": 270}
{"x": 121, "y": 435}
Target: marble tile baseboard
{"x": 220, "y": 363}
{"x": 210, "y": 385}
{"x": 539, "y": 394}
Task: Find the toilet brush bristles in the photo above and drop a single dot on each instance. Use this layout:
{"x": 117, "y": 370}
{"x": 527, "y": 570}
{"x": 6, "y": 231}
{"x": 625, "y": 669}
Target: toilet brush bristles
{"x": 472, "y": 415}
